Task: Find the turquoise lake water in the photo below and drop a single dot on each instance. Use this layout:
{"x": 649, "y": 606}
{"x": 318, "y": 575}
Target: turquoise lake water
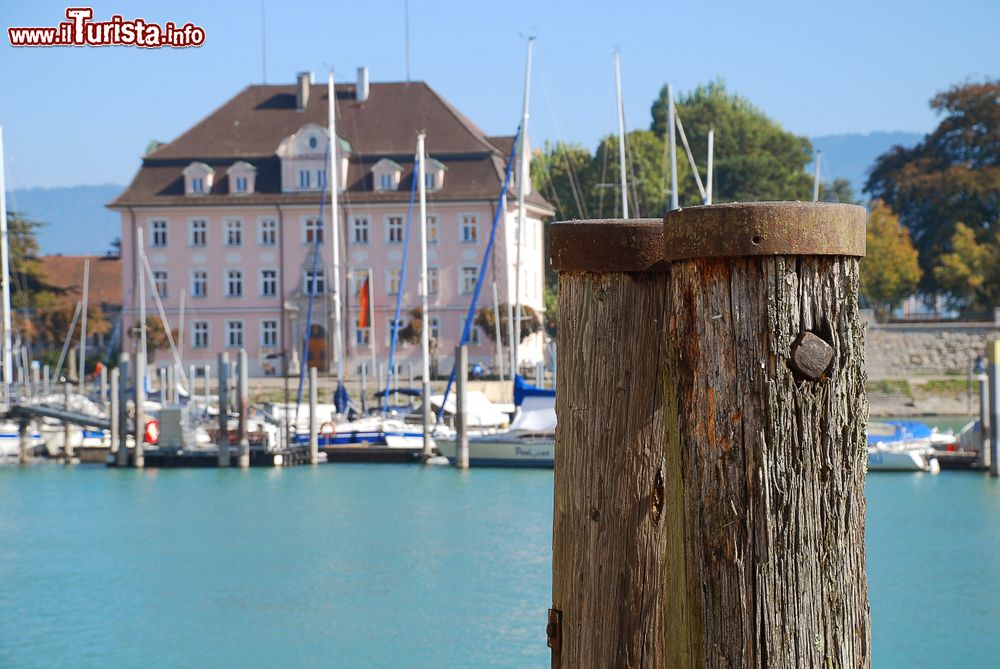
{"x": 397, "y": 566}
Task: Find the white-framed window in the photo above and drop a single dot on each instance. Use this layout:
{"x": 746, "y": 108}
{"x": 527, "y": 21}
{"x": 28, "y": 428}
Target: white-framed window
{"x": 234, "y": 334}
{"x": 432, "y": 228}
{"x": 467, "y": 279}
{"x": 305, "y": 179}
{"x": 474, "y": 335}
{"x": 435, "y": 330}
{"x": 234, "y": 232}
{"x": 199, "y": 334}
{"x": 321, "y": 178}
{"x": 394, "y": 229}
{"x": 433, "y": 280}
{"x": 392, "y": 275}
{"x": 234, "y": 283}
{"x": 241, "y": 184}
{"x": 160, "y": 280}
{"x": 361, "y": 335}
{"x": 314, "y": 283}
{"x": 385, "y": 182}
{"x": 430, "y": 180}
{"x": 159, "y": 229}
{"x": 269, "y": 333}
{"x": 197, "y": 185}
{"x": 199, "y": 231}
{"x": 312, "y": 231}
{"x": 360, "y": 226}
{"x": 268, "y": 282}
{"x": 469, "y": 233}
{"x": 359, "y": 276}
{"x": 388, "y": 330}
{"x": 267, "y": 232}
{"x": 199, "y": 283}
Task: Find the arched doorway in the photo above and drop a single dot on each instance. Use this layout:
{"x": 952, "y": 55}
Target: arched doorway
{"x": 317, "y": 356}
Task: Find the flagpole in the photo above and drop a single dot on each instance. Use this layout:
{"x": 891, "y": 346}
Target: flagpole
{"x": 371, "y": 322}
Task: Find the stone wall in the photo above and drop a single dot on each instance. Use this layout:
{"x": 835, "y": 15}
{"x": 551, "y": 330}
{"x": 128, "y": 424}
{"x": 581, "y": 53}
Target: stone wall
{"x": 907, "y": 349}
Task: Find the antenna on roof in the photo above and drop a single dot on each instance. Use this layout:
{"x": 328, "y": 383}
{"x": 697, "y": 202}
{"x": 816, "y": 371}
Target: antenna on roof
{"x": 406, "y": 40}
{"x": 263, "y": 43}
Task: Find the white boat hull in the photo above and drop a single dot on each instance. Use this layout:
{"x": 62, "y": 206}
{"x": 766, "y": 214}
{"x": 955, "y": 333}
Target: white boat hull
{"x": 903, "y": 460}
{"x": 502, "y": 451}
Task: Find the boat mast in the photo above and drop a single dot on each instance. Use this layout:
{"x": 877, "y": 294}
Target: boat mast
{"x": 621, "y": 130}
{"x": 334, "y": 184}
{"x": 522, "y": 178}
{"x": 711, "y": 158}
{"x": 83, "y": 326}
{"x": 140, "y": 287}
{"x": 425, "y": 341}
{"x": 672, "y": 129}
{"x": 8, "y": 362}
{"x": 819, "y": 154}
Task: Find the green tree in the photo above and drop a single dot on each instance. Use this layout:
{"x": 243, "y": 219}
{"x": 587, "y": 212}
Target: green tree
{"x": 951, "y": 177}
{"x": 890, "y": 270}
{"x": 755, "y": 158}
{"x": 26, "y": 273}
{"x": 839, "y": 190}
{"x": 968, "y": 271}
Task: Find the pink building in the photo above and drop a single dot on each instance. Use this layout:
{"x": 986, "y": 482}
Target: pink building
{"x": 230, "y": 213}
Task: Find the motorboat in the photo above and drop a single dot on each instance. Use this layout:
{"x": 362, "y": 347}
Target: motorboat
{"x": 908, "y": 446}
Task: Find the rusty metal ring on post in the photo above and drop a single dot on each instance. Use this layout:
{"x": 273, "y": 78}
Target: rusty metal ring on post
{"x": 607, "y": 245}
{"x": 764, "y": 229}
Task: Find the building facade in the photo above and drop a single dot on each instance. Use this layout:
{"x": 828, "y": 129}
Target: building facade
{"x": 232, "y": 216}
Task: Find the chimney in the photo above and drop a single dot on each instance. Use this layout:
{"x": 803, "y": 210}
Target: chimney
{"x": 361, "y": 92}
{"x": 302, "y": 82}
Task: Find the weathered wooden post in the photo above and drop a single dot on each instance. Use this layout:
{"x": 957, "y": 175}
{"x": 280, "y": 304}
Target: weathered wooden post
{"x": 164, "y": 397}
{"x": 171, "y": 386}
{"x": 224, "y": 409}
{"x": 715, "y": 516}
{"x": 113, "y": 412}
{"x": 139, "y": 428}
{"x": 67, "y": 426}
{"x": 24, "y": 441}
{"x": 993, "y": 366}
{"x": 121, "y": 458}
{"x": 313, "y": 422}
{"x": 612, "y": 292}
{"x": 461, "y": 418}
{"x": 984, "y": 421}
{"x": 243, "y": 406}
{"x": 104, "y": 386}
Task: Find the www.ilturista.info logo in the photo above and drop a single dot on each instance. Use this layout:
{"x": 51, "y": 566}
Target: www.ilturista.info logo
{"x": 81, "y": 30}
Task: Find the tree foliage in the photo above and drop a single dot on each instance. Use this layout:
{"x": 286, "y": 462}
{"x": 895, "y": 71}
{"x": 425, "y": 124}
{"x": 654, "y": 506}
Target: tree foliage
{"x": 969, "y": 272}
{"x": 755, "y": 158}
{"x": 950, "y": 178}
{"x": 890, "y": 270}
{"x": 530, "y": 322}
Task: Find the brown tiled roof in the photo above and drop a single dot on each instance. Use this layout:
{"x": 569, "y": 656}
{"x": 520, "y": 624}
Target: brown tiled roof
{"x": 251, "y": 125}
{"x": 65, "y": 274}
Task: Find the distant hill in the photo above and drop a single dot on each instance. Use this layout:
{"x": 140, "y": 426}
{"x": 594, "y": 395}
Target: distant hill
{"x": 851, "y": 156}
{"x": 76, "y": 220}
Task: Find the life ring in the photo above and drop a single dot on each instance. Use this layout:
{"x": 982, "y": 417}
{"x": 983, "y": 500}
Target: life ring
{"x": 328, "y": 429}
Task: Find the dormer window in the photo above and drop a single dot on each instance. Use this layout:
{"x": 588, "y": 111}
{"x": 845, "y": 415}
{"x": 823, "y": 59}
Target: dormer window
{"x": 434, "y": 174}
{"x": 386, "y": 174}
{"x": 241, "y": 178}
{"x": 305, "y": 160}
{"x": 198, "y": 178}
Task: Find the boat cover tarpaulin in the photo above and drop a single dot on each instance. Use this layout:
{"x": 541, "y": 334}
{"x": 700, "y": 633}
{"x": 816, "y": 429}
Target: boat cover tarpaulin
{"x": 524, "y": 389}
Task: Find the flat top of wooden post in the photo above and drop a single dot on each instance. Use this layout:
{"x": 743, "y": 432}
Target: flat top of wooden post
{"x": 764, "y": 228}
{"x": 607, "y": 245}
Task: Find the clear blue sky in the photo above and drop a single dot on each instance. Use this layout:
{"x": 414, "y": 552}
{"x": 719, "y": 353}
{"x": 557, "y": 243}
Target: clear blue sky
{"x": 84, "y": 115}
